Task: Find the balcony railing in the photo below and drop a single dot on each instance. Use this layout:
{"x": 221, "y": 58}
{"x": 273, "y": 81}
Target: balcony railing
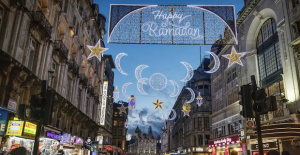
{"x": 41, "y": 20}
{"x": 73, "y": 67}
{"x": 60, "y": 47}
{"x": 83, "y": 79}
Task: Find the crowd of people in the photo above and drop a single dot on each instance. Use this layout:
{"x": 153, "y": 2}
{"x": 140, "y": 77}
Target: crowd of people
{"x": 23, "y": 151}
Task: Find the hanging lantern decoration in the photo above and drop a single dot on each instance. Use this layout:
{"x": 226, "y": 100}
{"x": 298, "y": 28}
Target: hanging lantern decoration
{"x": 199, "y": 99}
{"x": 132, "y": 102}
{"x": 126, "y": 124}
{"x": 116, "y": 93}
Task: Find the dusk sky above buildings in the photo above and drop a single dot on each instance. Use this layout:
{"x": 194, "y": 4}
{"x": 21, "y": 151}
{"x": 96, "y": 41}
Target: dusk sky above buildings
{"x": 164, "y": 59}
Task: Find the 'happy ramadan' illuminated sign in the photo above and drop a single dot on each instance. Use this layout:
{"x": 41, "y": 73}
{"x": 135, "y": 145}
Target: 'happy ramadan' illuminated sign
{"x": 172, "y": 24}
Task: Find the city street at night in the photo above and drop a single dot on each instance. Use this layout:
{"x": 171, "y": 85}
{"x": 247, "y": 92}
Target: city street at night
{"x": 159, "y": 77}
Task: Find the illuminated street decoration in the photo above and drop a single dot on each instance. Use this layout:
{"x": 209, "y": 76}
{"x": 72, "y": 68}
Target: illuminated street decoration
{"x": 189, "y": 72}
{"x": 138, "y": 72}
{"x": 199, "y": 99}
{"x": 124, "y": 89}
{"x": 217, "y": 63}
{"x": 158, "y": 81}
{"x": 132, "y": 102}
{"x": 172, "y": 24}
{"x": 186, "y": 108}
{"x": 174, "y": 115}
{"x": 96, "y": 51}
{"x": 234, "y": 57}
{"x": 118, "y": 63}
{"x": 116, "y": 93}
{"x": 103, "y": 105}
{"x": 176, "y": 89}
{"x": 140, "y": 87}
{"x": 126, "y": 124}
{"x": 122, "y": 109}
{"x": 158, "y": 104}
{"x": 192, "y": 95}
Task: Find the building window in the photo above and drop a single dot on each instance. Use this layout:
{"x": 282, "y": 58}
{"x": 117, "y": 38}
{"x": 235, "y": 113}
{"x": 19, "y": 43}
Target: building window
{"x": 220, "y": 131}
{"x": 200, "y": 140}
{"x": 200, "y": 123}
{"x": 231, "y": 75}
{"x": 31, "y": 53}
{"x": 121, "y": 123}
{"x": 1, "y": 17}
{"x": 206, "y": 138}
{"x": 234, "y": 127}
{"x": 114, "y": 142}
{"x": 206, "y": 123}
{"x": 114, "y": 132}
{"x": 269, "y": 59}
{"x": 120, "y": 132}
{"x": 115, "y": 123}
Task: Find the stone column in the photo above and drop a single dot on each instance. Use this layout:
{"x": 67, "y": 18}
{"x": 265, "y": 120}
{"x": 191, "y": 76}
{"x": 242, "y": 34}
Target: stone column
{"x": 39, "y": 57}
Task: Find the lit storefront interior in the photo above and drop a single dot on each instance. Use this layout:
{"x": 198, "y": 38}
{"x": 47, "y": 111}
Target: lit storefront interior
{"x": 225, "y": 145}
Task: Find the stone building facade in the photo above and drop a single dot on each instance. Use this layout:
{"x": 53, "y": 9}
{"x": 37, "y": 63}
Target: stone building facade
{"x": 47, "y": 40}
{"x": 268, "y": 32}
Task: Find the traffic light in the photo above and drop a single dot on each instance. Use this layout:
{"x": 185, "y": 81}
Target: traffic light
{"x": 246, "y": 101}
{"x": 259, "y": 97}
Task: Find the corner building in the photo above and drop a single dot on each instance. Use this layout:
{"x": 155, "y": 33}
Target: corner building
{"x": 268, "y": 32}
{"x": 47, "y": 40}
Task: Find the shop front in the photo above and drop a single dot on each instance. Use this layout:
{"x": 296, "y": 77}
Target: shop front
{"x": 225, "y": 145}
{"x": 21, "y": 133}
{"x": 50, "y": 141}
{"x": 198, "y": 151}
{"x": 267, "y": 146}
{"x": 72, "y": 145}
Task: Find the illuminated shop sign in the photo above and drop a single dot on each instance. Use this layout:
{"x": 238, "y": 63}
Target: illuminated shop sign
{"x": 265, "y": 146}
{"x": 108, "y": 148}
{"x": 78, "y": 141}
{"x": 3, "y": 118}
{"x": 29, "y": 130}
{"x": 65, "y": 138}
{"x": 224, "y": 141}
{"x": 53, "y": 135}
{"x": 103, "y": 103}
{"x": 15, "y": 128}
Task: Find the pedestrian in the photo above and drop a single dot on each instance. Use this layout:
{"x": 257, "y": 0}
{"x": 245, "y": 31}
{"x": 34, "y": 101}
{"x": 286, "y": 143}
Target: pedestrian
{"x": 273, "y": 152}
{"x": 19, "y": 151}
{"x": 285, "y": 153}
{"x": 234, "y": 153}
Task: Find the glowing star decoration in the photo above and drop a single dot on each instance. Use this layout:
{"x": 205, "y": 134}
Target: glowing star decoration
{"x": 217, "y": 63}
{"x": 234, "y": 57}
{"x": 189, "y": 72}
{"x": 158, "y": 104}
{"x": 118, "y": 63}
{"x": 116, "y": 93}
{"x": 199, "y": 99}
{"x": 186, "y": 108}
{"x": 122, "y": 109}
{"x": 132, "y": 102}
{"x": 96, "y": 51}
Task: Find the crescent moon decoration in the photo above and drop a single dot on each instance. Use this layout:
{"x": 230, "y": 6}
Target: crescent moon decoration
{"x": 140, "y": 86}
{"x": 141, "y": 121}
{"x": 176, "y": 89}
{"x": 174, "y": 115}
{"x": 124, "y": 89}
{"x": 118, "y": 60}
{"x": 189, "y": 72}
{"x": 186, "y": 108}
{"x": 130, "y": 113}
{"x": 217, "y": 63}
{"x": 138, "y": 72}
{"x": 192, "y": 95}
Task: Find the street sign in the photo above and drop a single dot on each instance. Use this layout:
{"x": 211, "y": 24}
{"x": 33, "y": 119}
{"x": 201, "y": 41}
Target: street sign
{"x": 250, "y": 124}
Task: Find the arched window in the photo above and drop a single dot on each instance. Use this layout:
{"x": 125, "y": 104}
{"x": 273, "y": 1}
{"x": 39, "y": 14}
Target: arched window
{"x": 268, "y": 50}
